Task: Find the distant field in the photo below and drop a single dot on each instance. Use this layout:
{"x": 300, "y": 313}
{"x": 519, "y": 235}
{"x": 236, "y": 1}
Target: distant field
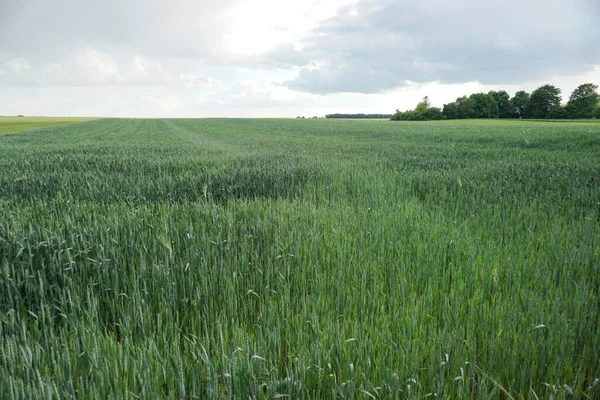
{"x": 318, "y": 259}
{"x": 18, "y": 124}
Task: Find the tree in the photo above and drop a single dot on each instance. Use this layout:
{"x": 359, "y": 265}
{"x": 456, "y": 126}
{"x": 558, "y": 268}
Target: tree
{"x": 423, "y": 106}
{"x": 450, "y": 111}
{"x": 423, "y": 112}
{"x": 359, "y": 116}
{"x": 583, "y": 101}
{"x": 504, "y": 104}
{"x": 425, "y": 103}
{"x": 464, "y": 107}
{"x": 484, "y": 106}
{"x": 518, "y": 104}
{"x": 559, "y": 112}
{"x": 434, "y": 114}
{"x": 543, "y": 102}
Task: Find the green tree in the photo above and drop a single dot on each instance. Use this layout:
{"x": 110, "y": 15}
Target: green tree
{"x": 424, "y": 104}
{"x": 543, "y": 102}
{"x": 583, "y": 101}
{"x": 465, "y": 107}
{"x": 434, "y": 114}
{"x": 423, "y": 112}
{"x": 504, "y": 104}
{"x": 484, "y": 106}
{"x": 518, "y": 103}
{"x": 396, "y": 116}
{"x": 559, "y": 112}
{"x": 450, "y": 111}
{"x": 597, "y": 113}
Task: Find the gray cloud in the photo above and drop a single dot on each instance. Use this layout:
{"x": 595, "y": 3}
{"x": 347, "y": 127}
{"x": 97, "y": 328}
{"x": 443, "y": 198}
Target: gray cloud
{"x": 50, "y": 30}
{"x": 90, "y": 67}
{"x": 377, "y": 46}
{"x": 116, "y": 42}
{"x": 283, "y": 56}
{"x": 109, "y": 42}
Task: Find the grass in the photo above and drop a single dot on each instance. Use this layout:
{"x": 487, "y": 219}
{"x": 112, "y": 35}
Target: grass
{"x": 18, "y": 124}
{"x": 300, "y": 259}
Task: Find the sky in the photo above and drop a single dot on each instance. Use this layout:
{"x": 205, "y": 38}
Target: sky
{"x": 280, "y": 58}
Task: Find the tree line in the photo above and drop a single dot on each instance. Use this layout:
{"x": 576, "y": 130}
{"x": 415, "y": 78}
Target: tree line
{"x": 544, "y": 102}
{"x": 359, "y": 116}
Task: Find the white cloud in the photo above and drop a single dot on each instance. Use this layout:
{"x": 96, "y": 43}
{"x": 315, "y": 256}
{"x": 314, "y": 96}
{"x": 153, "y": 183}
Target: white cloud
{"x": 266, "y": 91}
{"x": 191, "y": 79}
{"x": 91, "y": 67}
{"x": 95, "y": 64}
{"x": 19, "y": 65}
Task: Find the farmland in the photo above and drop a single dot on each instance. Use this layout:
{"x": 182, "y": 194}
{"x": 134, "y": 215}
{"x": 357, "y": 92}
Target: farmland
{"x": 17, "y": 124}
{"x": 300, "y": 258}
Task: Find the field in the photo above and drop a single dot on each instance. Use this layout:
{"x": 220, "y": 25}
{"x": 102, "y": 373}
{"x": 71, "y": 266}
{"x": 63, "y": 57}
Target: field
{"x": 17, "y": 124}
{"x": 300, "y": 259}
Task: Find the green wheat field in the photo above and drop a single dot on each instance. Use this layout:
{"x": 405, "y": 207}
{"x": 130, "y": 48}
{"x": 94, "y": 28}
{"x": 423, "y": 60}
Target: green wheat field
{"x": 16, "y": 124}
{"x": 317, "y": 259}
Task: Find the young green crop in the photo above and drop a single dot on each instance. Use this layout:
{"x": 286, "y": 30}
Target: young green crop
{"x": 300, "y": 259}
{"x": 17, "y": 124}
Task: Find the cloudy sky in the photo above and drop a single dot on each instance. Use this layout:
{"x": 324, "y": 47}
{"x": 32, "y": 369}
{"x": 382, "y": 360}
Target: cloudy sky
{"x": 282, "y": 58}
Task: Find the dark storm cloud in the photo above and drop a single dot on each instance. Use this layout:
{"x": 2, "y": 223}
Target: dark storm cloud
{"x": 377, "y": 46}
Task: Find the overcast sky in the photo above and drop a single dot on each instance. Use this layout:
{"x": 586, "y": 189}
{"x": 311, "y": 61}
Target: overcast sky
{"x": 280, "y": 58}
